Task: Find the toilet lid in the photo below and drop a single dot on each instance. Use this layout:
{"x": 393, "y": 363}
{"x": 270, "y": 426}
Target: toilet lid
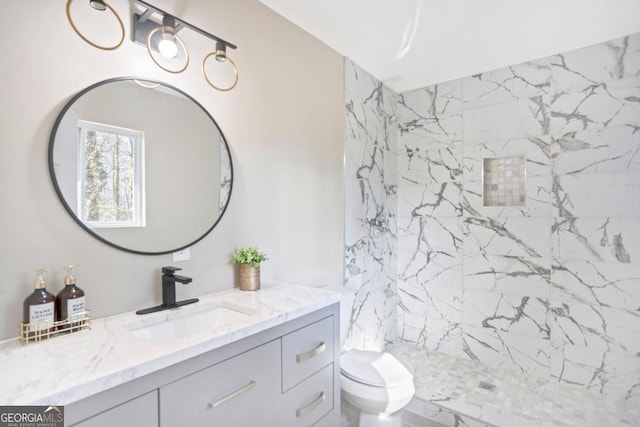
{"x": 374, "y": 368}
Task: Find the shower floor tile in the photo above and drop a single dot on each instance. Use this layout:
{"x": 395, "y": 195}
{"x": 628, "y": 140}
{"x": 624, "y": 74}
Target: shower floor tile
{"x": 455, "y": 391}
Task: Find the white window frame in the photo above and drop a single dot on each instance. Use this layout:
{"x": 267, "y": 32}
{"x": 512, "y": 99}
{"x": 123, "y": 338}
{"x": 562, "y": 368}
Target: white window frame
{"x": 139, "y": 195}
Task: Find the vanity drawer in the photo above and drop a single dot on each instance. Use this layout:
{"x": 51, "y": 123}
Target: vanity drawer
{"x": 306, "y": 351}
{"x": 139, "y": 412}
{"x": 310, "y": 400}
{"x": 241, "y": 391}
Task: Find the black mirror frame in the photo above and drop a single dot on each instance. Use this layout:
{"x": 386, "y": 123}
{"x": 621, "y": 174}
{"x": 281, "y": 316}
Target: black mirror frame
{"x": 58, "y": 191}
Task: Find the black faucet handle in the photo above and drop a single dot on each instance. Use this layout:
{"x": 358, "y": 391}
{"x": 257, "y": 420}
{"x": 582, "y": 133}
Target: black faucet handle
{"x": 170, "y": 270}
{"x": 182, "y": 279}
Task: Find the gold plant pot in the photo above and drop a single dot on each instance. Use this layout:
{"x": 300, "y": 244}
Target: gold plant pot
{"x": 249, "y": 277}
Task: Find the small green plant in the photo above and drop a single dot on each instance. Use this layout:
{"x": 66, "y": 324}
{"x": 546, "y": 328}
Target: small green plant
{"x": 252, "y": 256}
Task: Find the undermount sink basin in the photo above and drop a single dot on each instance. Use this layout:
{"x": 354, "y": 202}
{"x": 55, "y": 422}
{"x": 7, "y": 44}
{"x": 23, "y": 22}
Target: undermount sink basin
{"x": 188, "y": 321}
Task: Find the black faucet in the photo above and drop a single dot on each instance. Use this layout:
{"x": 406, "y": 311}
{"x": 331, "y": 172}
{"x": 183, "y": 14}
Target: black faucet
{"x": 169, "y": 280}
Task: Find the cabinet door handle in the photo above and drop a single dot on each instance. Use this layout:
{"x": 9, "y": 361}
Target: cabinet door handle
{"x": 236, "y": 393}
{"x": 308, "y": 355}
{"x": 311, "y": 406}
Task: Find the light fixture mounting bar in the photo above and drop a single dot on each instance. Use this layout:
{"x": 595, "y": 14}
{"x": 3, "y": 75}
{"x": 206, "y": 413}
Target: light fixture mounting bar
{"x": 140, "y": 33}
{"x": 146, "y": 15}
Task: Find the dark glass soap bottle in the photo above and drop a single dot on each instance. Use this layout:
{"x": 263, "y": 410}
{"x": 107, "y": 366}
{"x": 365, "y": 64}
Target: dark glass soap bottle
{"x": 38, "y": 308}
{"x": 70, "y": 301}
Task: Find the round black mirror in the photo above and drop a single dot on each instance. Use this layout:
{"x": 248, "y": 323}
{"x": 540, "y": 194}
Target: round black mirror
{"x": 140, "y": 165}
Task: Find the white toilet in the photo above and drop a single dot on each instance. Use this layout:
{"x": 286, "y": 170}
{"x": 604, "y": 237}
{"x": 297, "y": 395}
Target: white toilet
{"x": 375, "y": 383}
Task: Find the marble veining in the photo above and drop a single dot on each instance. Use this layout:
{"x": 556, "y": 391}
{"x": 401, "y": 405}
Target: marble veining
{"x": 66, "y": 369}
{"x": 225, "y": 177}
{"x": 508, "y": 274}
{"x": 550, "y": 289}
{"x": 371, "y": 212}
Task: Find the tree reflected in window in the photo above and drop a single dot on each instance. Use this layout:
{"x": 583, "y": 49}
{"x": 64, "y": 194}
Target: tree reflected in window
{"x": 111, "y": 192}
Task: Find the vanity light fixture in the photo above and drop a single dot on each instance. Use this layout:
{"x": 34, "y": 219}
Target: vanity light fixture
{"x": 146, "y": 85}
{"x": 167, "y": 44}
{"x": 221, "y": 52}
{"x": 221, "y": 56}
{"x": 163, "y": 38}
{"x": 101, "y": 6}
{"x": 98, "y": 4}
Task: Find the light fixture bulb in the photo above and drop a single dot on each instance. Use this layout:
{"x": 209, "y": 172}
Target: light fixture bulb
{"x": 221, "y": 51}
{"x": 98, "y": 4}
{"x": 221, "y": 56}
{"x": 167, "y": 45}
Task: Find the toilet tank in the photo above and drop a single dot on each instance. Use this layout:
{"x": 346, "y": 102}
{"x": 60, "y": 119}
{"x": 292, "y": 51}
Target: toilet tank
{"x": 346, "y": 306}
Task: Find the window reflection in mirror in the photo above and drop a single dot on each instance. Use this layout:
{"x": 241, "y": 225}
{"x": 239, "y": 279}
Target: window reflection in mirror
{"x": 110, "y": 176}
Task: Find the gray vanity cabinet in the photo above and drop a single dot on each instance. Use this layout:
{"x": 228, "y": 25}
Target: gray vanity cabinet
{"x": 309, "y": 401}
{"x": 307, "y": 373}
{"x": 284, "y": 376}
{"x": 306, "y": 351}
{"x": 241, "y": 392}
{"x": 140, "y": 412}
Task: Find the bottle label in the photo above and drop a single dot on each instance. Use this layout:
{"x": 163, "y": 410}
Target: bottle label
{"x": 41, "y": 316}
{"x": 75, "y": 307}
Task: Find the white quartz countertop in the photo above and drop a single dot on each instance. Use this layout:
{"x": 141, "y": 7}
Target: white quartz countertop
{"x": 67, "y": 368}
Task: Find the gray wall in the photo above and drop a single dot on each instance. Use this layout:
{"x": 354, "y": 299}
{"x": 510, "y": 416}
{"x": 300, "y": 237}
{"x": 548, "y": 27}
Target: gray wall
{"x": 284, "y": 123}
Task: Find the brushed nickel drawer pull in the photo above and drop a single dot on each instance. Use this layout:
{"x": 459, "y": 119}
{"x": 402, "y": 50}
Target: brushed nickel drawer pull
{"x": 311, "y": 406}
{"x": 236, "y": 393}
{"x": 308, "y": 355}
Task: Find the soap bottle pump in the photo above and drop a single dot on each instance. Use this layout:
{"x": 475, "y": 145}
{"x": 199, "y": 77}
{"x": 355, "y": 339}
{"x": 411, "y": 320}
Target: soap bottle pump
{"x": 70, "y": 300}
{"x": 38, "y": 308}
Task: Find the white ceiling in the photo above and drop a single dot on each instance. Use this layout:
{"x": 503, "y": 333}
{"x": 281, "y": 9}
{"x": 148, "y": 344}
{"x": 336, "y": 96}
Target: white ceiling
{"x": 409, "y": 44}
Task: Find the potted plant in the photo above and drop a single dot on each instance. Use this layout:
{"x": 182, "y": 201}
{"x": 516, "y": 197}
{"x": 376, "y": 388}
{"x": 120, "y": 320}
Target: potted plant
{"x": 248, "y": 261}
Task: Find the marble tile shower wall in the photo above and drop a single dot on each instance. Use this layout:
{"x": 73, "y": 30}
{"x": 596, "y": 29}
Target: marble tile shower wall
{"x": 551, "y": 288}
{"x": 370, "y": 208}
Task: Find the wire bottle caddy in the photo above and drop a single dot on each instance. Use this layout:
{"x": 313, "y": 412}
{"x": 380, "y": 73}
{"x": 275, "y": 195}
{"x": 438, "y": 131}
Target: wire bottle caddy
{"x": 42, "y": 330}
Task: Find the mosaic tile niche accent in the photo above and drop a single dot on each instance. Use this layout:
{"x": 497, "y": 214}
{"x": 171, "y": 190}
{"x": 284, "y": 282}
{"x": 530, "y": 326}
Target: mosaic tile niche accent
{"x": 504, "y": 181}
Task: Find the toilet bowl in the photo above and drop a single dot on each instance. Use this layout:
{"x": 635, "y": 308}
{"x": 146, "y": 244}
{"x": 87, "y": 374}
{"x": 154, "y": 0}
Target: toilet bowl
{"x": 375, "y": 383}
